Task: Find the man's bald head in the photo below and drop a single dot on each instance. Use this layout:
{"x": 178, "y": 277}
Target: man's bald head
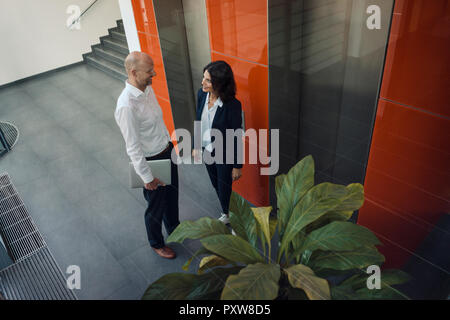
{"x": 136, "y": 60}
{"x": 140, "y": 69}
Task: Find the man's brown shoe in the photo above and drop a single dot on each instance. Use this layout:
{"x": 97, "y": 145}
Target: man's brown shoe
{"x": 165, "y": 252}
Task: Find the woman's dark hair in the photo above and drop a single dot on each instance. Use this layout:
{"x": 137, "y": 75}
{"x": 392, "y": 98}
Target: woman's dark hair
{"x": 222, "y": 79}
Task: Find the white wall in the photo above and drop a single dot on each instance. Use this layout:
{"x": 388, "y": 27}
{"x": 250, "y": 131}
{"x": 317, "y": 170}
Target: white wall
{"x": 129, "y": 24}
{"x": 34, "y": 37}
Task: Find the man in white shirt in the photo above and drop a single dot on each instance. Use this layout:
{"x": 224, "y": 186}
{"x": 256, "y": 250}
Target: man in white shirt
{"x": 139, "y": 117}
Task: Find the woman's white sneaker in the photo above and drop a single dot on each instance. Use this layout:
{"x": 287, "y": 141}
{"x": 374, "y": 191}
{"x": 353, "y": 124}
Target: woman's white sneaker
{"x": 224, "y": 218}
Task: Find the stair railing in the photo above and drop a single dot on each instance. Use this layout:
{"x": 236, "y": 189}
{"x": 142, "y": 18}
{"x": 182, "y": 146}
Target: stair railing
{"x": 82, "y": 13}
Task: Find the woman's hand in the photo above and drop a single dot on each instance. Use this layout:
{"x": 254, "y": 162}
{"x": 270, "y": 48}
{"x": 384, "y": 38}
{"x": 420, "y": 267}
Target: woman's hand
{"x": 196, "y": 155}
{"x": 236, "y": 174}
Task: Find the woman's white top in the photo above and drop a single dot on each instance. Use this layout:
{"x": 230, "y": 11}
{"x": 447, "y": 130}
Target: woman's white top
{"x": 207, "y": 120}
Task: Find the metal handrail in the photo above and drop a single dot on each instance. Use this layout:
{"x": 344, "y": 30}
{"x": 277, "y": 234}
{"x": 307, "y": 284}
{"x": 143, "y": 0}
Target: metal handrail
{"x": 79, "y": 17}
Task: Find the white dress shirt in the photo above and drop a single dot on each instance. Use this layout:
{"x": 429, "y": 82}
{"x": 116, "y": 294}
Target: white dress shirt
{"x": 207, "y": 120}
{"x": 140, "y": 119}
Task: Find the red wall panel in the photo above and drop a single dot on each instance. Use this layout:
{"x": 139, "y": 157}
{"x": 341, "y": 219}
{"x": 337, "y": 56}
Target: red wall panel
{"x": 150, "y": 44}
{"x": 146, "y": 26}
{"x": 238, "y": 35}
{"x": 407, "y": 183}
{"x": 417, "y": 61}
{"x": 144, "y": 16}
{"x": 239, "y": 28}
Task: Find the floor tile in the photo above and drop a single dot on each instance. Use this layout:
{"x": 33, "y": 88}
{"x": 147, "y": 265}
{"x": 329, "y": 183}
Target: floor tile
{"x": 79, "y": 175}
{"x": 76, "y": 243}
{"x": 138, "y": 283}
{"x": 13, "y": 90}
{"x": 53, "y": 143}
{"x": 96, "y": 137}
{"x": 22, "y": 164}
{"x": 117, "y": 218}
{"x": 153, "y": 266}
{"x": 47, "y": 205}
{"x": 59, "y": 106}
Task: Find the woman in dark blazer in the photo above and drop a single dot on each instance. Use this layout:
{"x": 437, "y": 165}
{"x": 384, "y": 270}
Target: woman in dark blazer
{"x": 217, "y": 108}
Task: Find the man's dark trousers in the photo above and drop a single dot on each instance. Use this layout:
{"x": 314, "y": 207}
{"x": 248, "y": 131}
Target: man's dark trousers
{"x": 162, "y": 205}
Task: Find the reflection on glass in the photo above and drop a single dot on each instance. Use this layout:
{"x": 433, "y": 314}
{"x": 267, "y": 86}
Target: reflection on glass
{"x": 172, "y": 36}
{"x": 324, "y": 74}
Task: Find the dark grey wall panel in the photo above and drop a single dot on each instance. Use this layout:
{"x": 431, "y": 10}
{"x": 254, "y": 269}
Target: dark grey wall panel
{"x": 324, "y": 75}
{"x": 175, "y": 51}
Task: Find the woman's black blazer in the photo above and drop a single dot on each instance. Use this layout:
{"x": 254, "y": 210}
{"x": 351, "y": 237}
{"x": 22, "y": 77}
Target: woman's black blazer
{"x": 229, "y": 116}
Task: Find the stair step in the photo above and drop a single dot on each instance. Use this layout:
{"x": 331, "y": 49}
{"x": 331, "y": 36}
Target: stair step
{"x": 113, "y": 56}
{"x": 115, "y": 44}
{"x": 120, "y": 25}
{"x": 106, "y": 66}
{"x": 118, "y": 34}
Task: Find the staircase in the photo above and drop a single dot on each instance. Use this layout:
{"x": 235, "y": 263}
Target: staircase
{"x": 109, "y": 55}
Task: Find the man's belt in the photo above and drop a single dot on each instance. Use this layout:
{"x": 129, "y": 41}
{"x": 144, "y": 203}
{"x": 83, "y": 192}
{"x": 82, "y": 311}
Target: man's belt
{"x": 165, "y": 150}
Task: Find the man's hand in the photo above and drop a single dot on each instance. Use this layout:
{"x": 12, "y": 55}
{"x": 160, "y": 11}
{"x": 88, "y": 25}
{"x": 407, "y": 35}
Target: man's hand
{"x": 236, "y": 174}
{"x": 153, "y": 185}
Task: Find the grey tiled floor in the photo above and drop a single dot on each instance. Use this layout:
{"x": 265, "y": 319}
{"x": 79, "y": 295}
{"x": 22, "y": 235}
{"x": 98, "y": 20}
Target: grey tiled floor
{"x": 70, "y": 168}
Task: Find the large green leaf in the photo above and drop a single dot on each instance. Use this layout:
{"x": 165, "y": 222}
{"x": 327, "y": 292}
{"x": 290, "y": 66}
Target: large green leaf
{"x": 255, "y": 282}
{"x": 355, "y": 287}
{"x": 304, "y": 258}
{"x": 237, "y": 224}
{"x": 292, "y": 187}
{"x": 181, "y": 286}
{"x": 279, "y": 183}
{"x": 262, "y": 217}
{"x": 317, "y": 201}
{"x": 232, "y": 248}
{"x": 209, "y": 286}
{"x": 353, "y": 201}
{"x": 278, "y": 186}
{"x": 273, "y": 226}
{"x": 342, "y": 293}
{"x": 355, "y": 198}
{"x": 346, "y": 260}
{"x": 172, "y": 286}
{"x": 380, "y": 294}
{"x": 328, "y": 218}
{"x": 203, "y": 227}
{"x": 200, "y": 251}
{"x": 242, "y": 220}
{"x": 297, "y": 244}
{"x": 339, "y": 236}
{"x": 388, "y": 277}
{"x": 211, "y": 262}
{"x": 302, "y": 277}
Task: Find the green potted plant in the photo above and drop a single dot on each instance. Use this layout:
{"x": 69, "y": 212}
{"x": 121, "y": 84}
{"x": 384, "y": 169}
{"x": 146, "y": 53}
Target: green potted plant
{"x": 316, "y": 243}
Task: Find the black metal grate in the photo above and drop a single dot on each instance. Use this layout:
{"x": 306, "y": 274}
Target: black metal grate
{"x": 34, "y": 274}
{"x": 21, "y": 236}
{"x": 35, "y": 278}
